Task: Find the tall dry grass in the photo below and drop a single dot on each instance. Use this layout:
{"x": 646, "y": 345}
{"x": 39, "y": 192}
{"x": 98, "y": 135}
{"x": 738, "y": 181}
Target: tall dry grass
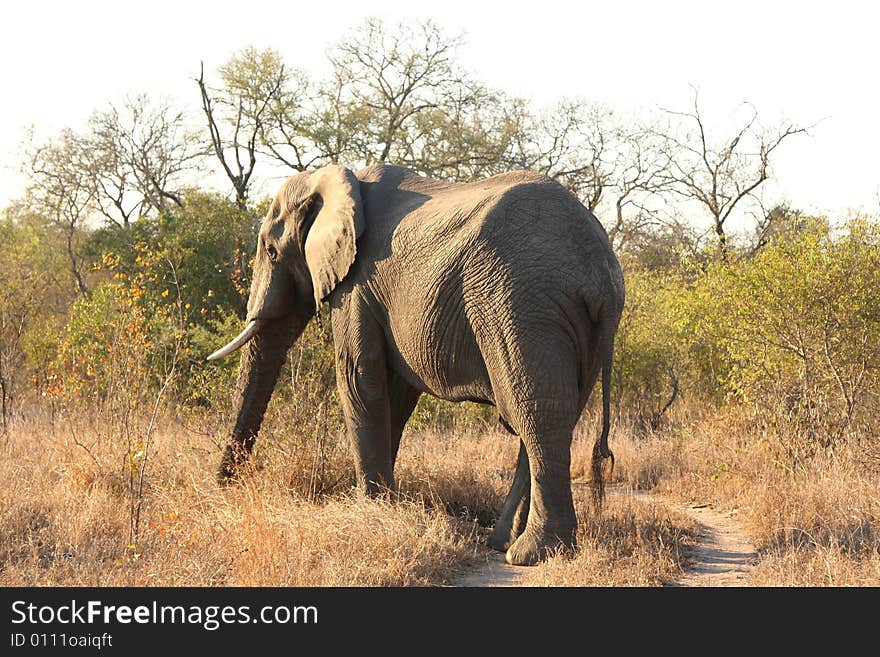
{"x": 64, "y": 521}
{"x": 64, "y": 515}
{"x": 814, "y": 522}
{"x": 296, "y": 521}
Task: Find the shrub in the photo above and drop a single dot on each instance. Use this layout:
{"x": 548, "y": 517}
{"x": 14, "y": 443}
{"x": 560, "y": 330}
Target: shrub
{"x": 799, "y": 327}
{"x": 649, "y": 356}
{"x": 112, "y": 345}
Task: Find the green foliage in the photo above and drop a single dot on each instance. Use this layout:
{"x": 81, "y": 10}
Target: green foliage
{"x": 800, "y": 327}
{"x": 206, "y": 245}
{"x": 34, "y": 296}
{"x": 191, "y": 264}
{"x": 115, "y": 343}
{"x": 650, "y": 350}
{"x": 440, "y": 415}
{"x": 793, "y": 333}
{"x": 210, "y": 384}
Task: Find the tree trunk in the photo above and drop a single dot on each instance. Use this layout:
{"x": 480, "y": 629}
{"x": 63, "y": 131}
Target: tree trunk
{"x": 77, "y": 277}
{"x": 722, "y": 239}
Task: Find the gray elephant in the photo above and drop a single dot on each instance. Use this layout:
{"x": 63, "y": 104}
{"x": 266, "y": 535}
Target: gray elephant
{"x": 503, "y": 291}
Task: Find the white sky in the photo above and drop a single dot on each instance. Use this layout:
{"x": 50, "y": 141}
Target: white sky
{"x": 803, "y": 61}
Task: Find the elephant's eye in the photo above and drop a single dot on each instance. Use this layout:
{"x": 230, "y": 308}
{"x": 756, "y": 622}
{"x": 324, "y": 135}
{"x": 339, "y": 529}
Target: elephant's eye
{"x": 273, "y": 253}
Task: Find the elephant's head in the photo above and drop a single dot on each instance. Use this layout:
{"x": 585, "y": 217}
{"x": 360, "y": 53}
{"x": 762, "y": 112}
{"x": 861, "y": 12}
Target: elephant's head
{"x": 306, "y": 246}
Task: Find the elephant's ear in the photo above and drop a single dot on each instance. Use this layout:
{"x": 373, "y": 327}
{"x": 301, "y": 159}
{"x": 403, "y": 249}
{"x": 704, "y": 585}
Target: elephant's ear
{"x": 330, "y": 245}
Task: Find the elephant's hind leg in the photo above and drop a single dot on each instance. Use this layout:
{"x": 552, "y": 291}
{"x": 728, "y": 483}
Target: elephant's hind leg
{"x": 515, "y": 512}
{"x": 551, "y": 523}
{"x": 402, "y": 400}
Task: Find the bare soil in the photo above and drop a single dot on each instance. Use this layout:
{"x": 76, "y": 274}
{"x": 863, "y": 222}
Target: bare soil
{"x": 493, "y": 572}
{"x": 724, "y": 555}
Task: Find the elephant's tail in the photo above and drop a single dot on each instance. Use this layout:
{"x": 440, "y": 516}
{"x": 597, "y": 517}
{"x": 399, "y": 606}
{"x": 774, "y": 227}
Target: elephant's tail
{"x": 606, "y": 316}
{"x": 601, "y": 451}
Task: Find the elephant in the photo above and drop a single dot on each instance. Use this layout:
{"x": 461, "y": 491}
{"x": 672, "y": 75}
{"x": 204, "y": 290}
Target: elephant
{"x": 503, "y": 291}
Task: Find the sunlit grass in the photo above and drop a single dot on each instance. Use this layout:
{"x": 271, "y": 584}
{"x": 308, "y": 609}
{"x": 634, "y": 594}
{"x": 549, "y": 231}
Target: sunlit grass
{"x": 64, "y": 510}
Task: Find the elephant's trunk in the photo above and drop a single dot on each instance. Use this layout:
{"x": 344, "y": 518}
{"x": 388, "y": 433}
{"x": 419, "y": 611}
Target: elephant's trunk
{"x": 261, "y": 360}
{"x": 242, "y": 338}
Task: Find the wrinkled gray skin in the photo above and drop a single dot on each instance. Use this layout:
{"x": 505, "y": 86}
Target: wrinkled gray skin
{"x": 503, "y": 291}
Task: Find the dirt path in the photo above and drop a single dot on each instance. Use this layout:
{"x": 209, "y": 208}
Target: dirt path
{"x": 495, "y": 572}
{"x": 723, "y": 555}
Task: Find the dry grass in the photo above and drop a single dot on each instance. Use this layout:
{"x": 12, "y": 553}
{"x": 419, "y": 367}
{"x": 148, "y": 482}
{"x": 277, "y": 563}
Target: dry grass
{"x": 640, "y": 463}
{"x": 631, "y": 543}
{"x": 64, "y": 516}
{"x": 815, "y": 522}
{"x": 64, "y": 521}
{"x": 819, "y": 525}
{"x": 469, "y": 476}
{"x": 295, "y": 521}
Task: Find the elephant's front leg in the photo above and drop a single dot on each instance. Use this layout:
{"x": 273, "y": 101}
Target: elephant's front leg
{"x": 363, "y": 390}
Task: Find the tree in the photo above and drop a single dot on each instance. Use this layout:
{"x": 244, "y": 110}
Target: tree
{"x": 129, "y": 161}
{"x": 798, "y": 326}
{"x": 210, "y": 242}
{"x": 771, "y": 225}
{"x": 30, "y": 298}
{"x": 205, "y": 245}
{"x": 62, "y": 189}
{"x": 103, "y": 159}
{"x": 615, "y": 166}
{"x": 719, "y": 175}
{"x": 339, "y": 128}
{"x": 297, "y": 131}
{"x": 143, "y": 152}
{"x": 253, "y": 81}
{"x": 581, "y": 155}
{"x": 638, "y": 190}
{"x": 463, "y": 138}
{"x": 392, "y": 76}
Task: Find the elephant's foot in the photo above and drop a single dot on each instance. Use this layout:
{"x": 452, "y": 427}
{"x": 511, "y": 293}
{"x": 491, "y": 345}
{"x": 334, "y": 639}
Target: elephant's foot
{"x": 501, "y": 538}
{"x": 234, "y": 461}
{"x": 376, "y": 484}
{"x": 376, "y": 491}
{"x": 533, "y": 546}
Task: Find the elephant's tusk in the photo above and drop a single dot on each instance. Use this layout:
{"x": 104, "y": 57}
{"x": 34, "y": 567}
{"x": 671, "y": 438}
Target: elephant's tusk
{"x": 249, "y": 331}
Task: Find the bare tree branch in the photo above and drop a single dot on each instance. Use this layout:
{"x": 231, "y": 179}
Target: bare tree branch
{"x": 720, "y": 177}
{"x": 253, "y": 80}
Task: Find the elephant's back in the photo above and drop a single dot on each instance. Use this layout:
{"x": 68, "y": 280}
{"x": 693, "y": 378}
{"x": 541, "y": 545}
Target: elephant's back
{"x": 415, "y": 214}
{"x": 543, "y": 238}
{"x": 481, "y": 277}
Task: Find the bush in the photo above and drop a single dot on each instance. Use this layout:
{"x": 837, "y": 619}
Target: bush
{"x": 793, "y": 333}
{"x": 205, "y": 246}
{"x": 649, "y": 355}
{"x": 113, "y": 345}
{"x": 800, "y": 329}
{"x": 34, "y": 299}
